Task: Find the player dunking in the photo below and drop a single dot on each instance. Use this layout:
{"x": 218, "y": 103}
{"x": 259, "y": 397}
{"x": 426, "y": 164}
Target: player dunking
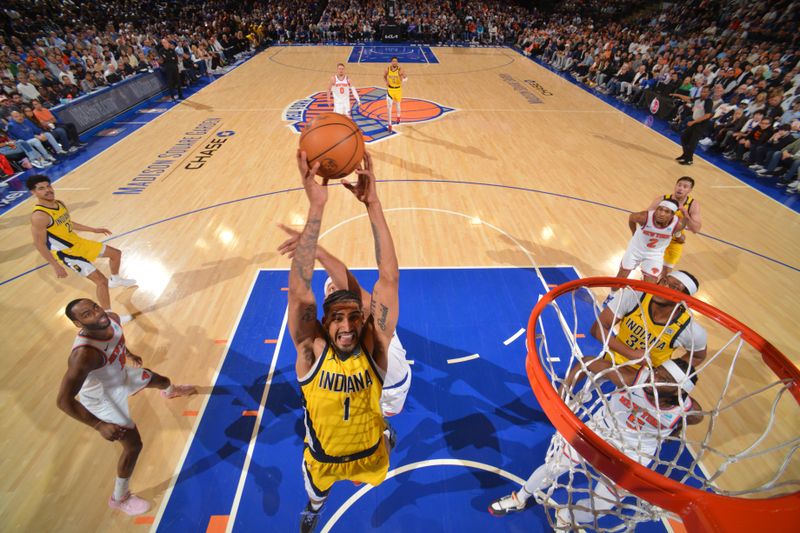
{"x": 55, "y": 239}
{"x": 656, "y": 228}
{"x": 102, "y": 373}
{"x": 340, "y": 87}
{"x": 397, "y": 382}
{"x": 647, "y": 407}
{"x": 394, "y": 77}
{"x": 341, "y": 362}
{"x": 689, "y": 210}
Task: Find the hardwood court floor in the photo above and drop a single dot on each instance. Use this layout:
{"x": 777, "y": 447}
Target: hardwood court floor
{"x": 545, "y": 174}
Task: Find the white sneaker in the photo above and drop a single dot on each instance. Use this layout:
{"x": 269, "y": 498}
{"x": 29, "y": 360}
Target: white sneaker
{"x": 116, "y": 281}
{"x": 506, "y": 504}
{"x": 706, "y": 141}
{"x": 793, "y": 186}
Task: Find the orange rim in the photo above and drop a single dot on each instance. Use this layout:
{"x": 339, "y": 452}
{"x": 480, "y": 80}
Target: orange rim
{"x": 699, "y": 510}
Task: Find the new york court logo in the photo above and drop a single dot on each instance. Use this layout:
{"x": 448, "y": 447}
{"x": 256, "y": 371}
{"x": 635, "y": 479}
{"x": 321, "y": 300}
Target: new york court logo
{"x": 371, "y": 116}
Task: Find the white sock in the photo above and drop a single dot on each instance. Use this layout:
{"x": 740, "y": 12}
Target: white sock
{"x": 121, "y": 487}
{"x": 390, "y": 111}
{"x": 169, "y": 389}
{"x": 398, "y": 110}
{"x": 114, "y": 276}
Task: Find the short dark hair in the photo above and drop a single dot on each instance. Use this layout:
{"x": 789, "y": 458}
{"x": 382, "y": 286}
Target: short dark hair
{"x": 36, "y": 179}
{"x": 339, "y": 64}
{"x": 393, "y": 58}
{"x": 688, "y": 179}
{"x": 691, "y": 277}
{"x": 70, "y": 306}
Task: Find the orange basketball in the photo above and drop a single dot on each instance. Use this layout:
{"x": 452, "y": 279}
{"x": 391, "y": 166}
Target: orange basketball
{"x": 336, "y": 142}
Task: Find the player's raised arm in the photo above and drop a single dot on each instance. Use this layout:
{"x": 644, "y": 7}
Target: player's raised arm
{"x": 303, "y": 325}
{"x": 639, "y": 218}
{"x": 385, "y": 306}
{"x": 692, "y": 216}
{"x": 336, "y": 269}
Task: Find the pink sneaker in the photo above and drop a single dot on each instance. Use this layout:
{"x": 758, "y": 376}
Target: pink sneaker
{"x": 131, "y": 504}
{"x": 178, "y": 391}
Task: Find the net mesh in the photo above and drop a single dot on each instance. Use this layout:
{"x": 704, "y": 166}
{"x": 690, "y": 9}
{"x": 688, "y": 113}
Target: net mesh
{"x": 736, "y": 433}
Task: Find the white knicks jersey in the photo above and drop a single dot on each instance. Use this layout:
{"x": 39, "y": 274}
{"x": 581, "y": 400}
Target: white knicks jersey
{"x": 112, "y": 374}
{"x": 651, "y": 239}
{"x": 634, "y": 423}
{"x": 341, "y": 89}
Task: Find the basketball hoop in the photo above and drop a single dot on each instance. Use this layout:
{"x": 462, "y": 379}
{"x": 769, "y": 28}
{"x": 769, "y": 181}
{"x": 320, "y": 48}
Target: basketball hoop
{"x": 665, "y": 488}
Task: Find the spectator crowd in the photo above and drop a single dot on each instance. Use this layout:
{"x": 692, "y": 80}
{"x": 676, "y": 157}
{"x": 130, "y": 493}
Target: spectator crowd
{"x": 731, "y": 67}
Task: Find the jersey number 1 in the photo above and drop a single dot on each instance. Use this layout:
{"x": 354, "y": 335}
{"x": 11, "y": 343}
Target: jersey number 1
{"x": 347, "y": 408}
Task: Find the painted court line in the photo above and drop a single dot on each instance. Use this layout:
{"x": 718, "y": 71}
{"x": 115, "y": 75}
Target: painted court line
{"x": 249, "y": 457}
{"x": 415, "y": 466}
{"x": 199, "y": 417}
{"x": 514, "y": 337}
{"x": 462, "y": 359}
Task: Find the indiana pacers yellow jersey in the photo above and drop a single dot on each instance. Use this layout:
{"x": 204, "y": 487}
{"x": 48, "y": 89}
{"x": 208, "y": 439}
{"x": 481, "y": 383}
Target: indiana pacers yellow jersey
{"x": 59, "y": 233}
{"x": 395, "y": 83}
{"x": 679, "y": 214}
{"x": 637, "y": 330}
{"x": 675, "y": 249}
{"x": 66, "y": 245}
{"x": 343, "y": 417}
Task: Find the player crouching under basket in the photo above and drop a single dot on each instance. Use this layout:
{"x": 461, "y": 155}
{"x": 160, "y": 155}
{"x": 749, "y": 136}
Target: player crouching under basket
{"x": 648, "y": 407}
{"x": 651, "y": 327}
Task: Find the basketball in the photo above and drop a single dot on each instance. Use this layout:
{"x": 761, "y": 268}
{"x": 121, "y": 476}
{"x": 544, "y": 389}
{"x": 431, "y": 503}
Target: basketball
{"x": 335, "y": 142}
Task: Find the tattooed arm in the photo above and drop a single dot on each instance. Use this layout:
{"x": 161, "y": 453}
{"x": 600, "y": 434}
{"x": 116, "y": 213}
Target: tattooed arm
{"x": 302, "y": 318}
{"x": 385, "y": 304}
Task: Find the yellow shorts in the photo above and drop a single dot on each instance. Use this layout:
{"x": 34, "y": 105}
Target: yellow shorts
{"x": 321, "y": 476}
{"x": 395, "y": 94}
{"x": 81, "y": 256}
{"x": 673, "y": 254}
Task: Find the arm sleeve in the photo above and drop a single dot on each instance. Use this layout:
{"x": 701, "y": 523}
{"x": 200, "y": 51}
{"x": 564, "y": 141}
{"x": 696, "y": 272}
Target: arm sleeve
{"x": 624, "y": 302}
{"x": 694, "y": 337}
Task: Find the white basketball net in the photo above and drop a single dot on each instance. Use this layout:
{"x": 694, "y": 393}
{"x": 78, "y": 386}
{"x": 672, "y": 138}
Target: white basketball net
{"x": 744, "y": 446}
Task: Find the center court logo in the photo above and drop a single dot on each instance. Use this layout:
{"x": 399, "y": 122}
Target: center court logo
{"x": 371, "y": 116}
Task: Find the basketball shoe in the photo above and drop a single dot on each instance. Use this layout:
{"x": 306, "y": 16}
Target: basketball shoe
{"x": 506, "y": 504}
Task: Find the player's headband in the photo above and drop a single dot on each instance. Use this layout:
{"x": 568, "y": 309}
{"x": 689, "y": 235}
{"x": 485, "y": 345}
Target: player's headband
{"x": 340, "y": 296}
{"x": 328, "y": 283}
{"x": 687, "y": 282}
{"x": 680, "y": 377}
{"x": 668, "y": 205}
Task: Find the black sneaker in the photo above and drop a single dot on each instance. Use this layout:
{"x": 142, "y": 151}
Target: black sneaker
{"x": 309, "y": 518}
{"x": 685, "y": 162}
{"x": 680, "y": 158}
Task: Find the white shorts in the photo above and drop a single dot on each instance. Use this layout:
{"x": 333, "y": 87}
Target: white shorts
{"x": 342, "y": 107}
{"x": 650, "y": 263}
{"x": 111, "y": 405}
{"x": 397, "y": 381}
